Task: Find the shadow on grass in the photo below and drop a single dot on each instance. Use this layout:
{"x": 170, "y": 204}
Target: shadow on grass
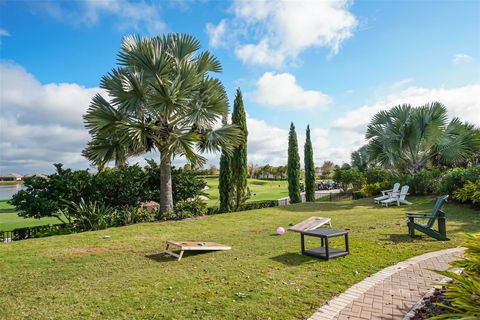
{"x": 398, "y": 238}
{"x": 293, "y": 259}
{"x": 161, "y": 257}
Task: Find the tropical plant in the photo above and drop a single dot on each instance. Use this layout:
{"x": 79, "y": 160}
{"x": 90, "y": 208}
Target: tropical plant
{"x": 90, "y": 216}
{"x": 410, "y": 139}
{"x": 293, "y": 170}
{"x": 309, "y": 169}
{"x": 469, "y": 193}
{"x": 359, "y": 159}
{"x": 239, "y": 158}
{"x": 464, "y": 291}
{"x": 162, "y": 99}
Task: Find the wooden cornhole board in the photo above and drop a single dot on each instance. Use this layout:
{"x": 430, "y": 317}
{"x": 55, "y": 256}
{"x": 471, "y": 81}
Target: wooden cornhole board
{"x": 311, "y": 224}
{"x": 190, "y": 245}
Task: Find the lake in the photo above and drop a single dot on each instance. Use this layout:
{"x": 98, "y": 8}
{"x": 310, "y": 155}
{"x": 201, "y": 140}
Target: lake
{"x": 8, "y": 190}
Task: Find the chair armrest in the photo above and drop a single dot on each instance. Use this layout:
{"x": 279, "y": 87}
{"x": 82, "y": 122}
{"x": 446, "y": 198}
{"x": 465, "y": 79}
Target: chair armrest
{"x": 385, "y": 192}
{"x": 418, "y": 215}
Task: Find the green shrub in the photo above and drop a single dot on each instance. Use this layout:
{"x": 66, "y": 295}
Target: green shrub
{"x": 455, "y": 179}
{"x": 422, "y": 183}
{"x": 114, "y": 188}
{"x": 464, "y": 291}
{"x": 349, "y": 177}
{"x": 128, "y": 216}
{"x": 469, "y": 193}
{"x": 187, "y": 209}
{"x": 373, "y": 189}
{"x": 258, "y": 205}
{"x": 377, "y": 175}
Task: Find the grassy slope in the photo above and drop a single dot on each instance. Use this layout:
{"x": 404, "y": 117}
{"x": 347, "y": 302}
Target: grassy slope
{"x": 9, "y": 219}
{"x": 260, "y": 190}
{"x": 124, "y": 277}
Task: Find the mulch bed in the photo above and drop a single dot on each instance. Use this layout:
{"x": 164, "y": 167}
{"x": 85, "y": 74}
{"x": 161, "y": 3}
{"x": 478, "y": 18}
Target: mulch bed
{"x": 429, "y": 308}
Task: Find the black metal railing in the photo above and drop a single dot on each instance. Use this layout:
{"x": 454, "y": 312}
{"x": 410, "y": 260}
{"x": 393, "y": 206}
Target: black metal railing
{"x": 30, "y": 232}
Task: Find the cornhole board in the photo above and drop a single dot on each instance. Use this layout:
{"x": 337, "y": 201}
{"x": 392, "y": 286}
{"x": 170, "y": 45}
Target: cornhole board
{"x": 311, "y": 224}
{"x": 191, "y": 245}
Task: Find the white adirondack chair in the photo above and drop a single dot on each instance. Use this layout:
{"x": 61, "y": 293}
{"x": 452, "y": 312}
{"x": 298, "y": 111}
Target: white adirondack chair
{"x": 398, "y": 198}
{"x": 387, "y": 193}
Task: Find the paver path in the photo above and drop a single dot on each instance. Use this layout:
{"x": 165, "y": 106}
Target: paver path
{"x": 390, "y": 293}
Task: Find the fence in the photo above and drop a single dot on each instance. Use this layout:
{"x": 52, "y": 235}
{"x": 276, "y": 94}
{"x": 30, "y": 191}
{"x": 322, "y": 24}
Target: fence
{"x": 30, "y": 232}
{"x": 332, "y": 195}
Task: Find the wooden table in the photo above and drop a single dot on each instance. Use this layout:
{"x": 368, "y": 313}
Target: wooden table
{"x": 324, "y": 251}
{"x": 191, "y": 245}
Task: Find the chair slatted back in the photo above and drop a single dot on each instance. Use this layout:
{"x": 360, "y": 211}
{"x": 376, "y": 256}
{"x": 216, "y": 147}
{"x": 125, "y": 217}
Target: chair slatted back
{"x": 437, "y": 209}
{"x": 404, "y": 192}
{"x": 396, "y": 186}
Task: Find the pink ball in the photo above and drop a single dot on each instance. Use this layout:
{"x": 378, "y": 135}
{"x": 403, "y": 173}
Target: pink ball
{"x": 280, "y": 231}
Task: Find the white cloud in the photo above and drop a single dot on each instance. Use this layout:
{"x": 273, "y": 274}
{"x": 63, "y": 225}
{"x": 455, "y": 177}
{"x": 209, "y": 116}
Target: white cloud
{"x": 130, "y": 14}
{"x": 281, "y": 90}
{"x": 278, "y": 31}
{"x": 260, "y": 53}
{"x": 462, "y": 58}
{"x": 216, "y": 33}
{"x": 40, "y": 124}
{"x": 461, "y": 102}
{"x": 28, "y": 99}
{"x": 4, "y": 33}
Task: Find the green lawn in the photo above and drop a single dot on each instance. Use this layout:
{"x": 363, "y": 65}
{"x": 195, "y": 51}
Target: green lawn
{"x": 260, "y": 190}
{"x": 9, "y": 219}
{"x": 84, "y": 276}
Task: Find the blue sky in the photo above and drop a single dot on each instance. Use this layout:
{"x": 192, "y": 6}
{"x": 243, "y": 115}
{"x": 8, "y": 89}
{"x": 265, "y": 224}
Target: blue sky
{"x": 328, "y": 64}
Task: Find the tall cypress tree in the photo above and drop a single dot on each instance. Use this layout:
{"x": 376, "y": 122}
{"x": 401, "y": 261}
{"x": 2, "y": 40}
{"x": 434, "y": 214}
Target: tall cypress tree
{"x": 225, "y": 185}
{"x": 239, "y": 159}
{"x": 293, "y": 170}
{"x": 309, "y": 169}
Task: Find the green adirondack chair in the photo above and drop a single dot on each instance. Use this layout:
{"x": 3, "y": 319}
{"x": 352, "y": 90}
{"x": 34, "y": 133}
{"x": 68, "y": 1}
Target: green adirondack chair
{"x": 436, "y": 214}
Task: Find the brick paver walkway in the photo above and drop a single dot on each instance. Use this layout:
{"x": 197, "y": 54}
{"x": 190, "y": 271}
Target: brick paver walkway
{"x": 390, "y": 293}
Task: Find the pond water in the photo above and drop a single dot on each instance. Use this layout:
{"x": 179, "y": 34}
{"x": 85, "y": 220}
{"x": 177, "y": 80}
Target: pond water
{"x": 8, "y": 190}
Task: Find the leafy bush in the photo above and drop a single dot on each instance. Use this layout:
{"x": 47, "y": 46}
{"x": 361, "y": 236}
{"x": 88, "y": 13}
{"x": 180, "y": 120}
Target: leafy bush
{"x": 372, "y": 189}
{"x": 464, "y": 291}
{"x": 469, "y": 193}
{"x": 187, "y": 209}
{"x": 185, "y": 184}
{"x": 128, "y": 216}
{"x": 258, "y": 205}
{"x": 421, "y": 183}
{"x": 113, "y": 188}
{"x": 377, "y": 175}
{"x": 348, "y": 177}
{"x": 455, "y": 178}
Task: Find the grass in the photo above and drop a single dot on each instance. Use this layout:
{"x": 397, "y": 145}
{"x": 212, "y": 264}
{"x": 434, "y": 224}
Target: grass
{"x": 260, "y": 190}
{"x": 9, "y": 219}
{"x": 10, "y": 182}
{"x": 83, "y": 276}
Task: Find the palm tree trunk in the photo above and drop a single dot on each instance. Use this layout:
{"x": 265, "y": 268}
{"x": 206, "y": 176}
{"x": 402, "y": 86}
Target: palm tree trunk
{"x": 166, "y": 198}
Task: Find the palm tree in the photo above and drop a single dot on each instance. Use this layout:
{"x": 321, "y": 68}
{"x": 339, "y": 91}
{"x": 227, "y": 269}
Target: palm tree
{"x": 162, "y": 98}
{"x": 410, "y": 139}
